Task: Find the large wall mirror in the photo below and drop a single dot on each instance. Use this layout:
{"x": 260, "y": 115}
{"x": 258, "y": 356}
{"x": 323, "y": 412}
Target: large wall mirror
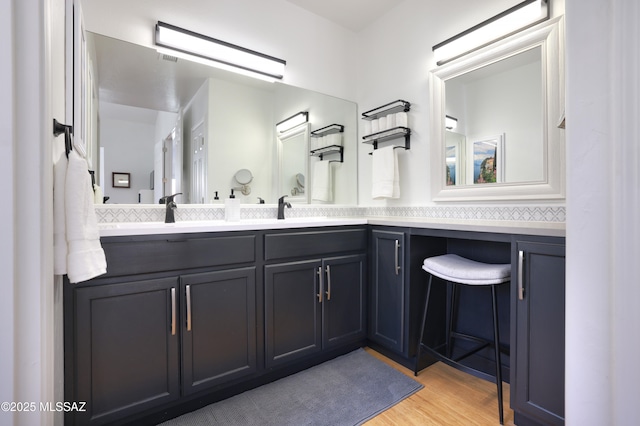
{"x": 179, "y": 126}
{"x": 494, "y": 120}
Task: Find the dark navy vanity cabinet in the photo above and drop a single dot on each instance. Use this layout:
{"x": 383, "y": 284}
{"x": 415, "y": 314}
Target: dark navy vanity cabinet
{"x": 314, "y": 292}
{"x": 387, "y": 289}
{"x": 531, "y": 308}
{"x": 538, "y": 312}
{"x": 183, "y": 320}
{"x": 174, "y": 315}
{"x": 124, "y": 357}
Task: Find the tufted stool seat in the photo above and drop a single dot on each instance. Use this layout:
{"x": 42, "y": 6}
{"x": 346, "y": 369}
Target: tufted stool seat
{"x": 461, "y": 271}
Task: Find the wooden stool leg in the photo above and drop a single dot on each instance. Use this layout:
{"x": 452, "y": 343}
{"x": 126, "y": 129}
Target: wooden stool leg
{"x": 496, "y": 337}
{"x": 424, "y": 320}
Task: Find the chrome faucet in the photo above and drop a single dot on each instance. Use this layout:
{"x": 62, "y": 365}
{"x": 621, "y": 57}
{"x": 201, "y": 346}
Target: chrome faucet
{"x": 169, "y": 216}
{"x": 281, "y": 205}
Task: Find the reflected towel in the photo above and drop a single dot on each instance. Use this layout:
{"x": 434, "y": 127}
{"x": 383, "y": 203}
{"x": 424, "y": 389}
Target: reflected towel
{"x": 85, "y": 258}
{"x": 402, "y": 119}
{"x": 385, "y": 179}
{"x": 98, "y": 196}
{"x": 322, "y": 189}
{"x": 59, "y": 229}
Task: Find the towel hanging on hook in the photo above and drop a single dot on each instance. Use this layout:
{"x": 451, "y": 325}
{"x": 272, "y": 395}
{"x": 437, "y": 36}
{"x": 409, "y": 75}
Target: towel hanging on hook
{"x": 58, "y": 129}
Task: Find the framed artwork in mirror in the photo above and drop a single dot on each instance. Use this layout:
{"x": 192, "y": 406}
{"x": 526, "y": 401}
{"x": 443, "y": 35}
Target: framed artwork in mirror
{"x": 455, "y": 153}
{"x": 120, "y": 180}
{"x": 488, "y": 160}
{"x": 452, "y": 158}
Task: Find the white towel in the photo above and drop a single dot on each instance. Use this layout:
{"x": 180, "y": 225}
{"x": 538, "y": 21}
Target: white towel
{"x": 385, "y": 176}
{"x": 322, "y": 189}
{"x": 59, "y": 229}
{"x": 402, "y": 119}
{"x": 98, "y": 196}
{"x": 85, "y": 257}
{"x": 375, "y": 126}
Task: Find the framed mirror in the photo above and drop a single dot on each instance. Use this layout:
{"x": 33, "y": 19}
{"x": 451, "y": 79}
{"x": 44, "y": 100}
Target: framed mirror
{"x": 494, "y": 120}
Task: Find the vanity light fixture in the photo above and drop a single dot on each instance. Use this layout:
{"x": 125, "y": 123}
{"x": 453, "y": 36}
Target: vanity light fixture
{"x": 509, "y": 22}
{"x": 189, "y": 45}
{"x": 450, "y": 123}
{"x": 293, "y": 121}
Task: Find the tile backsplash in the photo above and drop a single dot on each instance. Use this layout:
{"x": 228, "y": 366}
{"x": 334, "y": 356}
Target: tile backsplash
{"x": 155, "y": 213}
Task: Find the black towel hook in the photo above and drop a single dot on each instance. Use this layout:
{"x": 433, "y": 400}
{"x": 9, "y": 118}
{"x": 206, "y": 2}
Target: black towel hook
{"x": 58, "y": 129}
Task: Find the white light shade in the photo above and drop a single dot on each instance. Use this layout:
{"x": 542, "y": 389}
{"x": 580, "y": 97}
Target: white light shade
{"x": 519, "y": 17}
{"x": 293, "y": 121}
{"x": 223, "y": 54}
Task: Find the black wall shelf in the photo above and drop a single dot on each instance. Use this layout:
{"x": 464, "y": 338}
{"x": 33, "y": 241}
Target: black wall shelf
{"x": 327, "y": 150}
{"x": 330, "y": 129}
{"x": 390, "y": 108}
{"x": 392, "y": 133}
{"x": 387, "y": 135}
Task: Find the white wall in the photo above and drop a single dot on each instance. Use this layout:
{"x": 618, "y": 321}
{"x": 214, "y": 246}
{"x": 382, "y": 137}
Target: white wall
{"x": 33, "y": 90}
{"x": 241, "y": 131}
{"x": 117, "y": 136}
{"x": 7, "y": 216}
{"x": 603, "y": 205}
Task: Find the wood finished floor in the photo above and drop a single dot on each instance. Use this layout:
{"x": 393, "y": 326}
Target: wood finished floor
{"x": 449, "y": 397}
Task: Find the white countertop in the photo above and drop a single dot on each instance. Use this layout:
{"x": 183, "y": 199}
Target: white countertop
{"x": 549, "y": 229}
{"x": 555, "y": 229}
{"x": 150, "y": 228}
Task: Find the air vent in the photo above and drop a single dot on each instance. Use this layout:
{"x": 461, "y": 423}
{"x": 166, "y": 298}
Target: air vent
{"x": 169, "y": 58}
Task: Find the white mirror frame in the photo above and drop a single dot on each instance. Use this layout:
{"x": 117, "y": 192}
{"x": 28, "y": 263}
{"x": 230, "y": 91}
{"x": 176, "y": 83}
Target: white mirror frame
{"x": 550, "y": 37}
{"x": 300, "y": 130}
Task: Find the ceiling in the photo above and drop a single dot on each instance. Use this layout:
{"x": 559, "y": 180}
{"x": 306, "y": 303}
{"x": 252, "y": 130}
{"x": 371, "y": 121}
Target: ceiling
{"x": 351, "y": 14}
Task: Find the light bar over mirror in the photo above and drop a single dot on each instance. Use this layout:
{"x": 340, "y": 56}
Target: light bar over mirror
{"x": 517, "y": 18}
{"x": 292, "y": 122}
{"x": 189, "y": 45}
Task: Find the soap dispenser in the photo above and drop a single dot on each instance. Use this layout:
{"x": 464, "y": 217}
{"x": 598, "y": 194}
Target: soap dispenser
{"x": 232, "y": 208}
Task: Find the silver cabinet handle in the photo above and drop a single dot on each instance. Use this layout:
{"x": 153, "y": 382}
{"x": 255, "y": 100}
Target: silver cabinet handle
{"x": 520, "y": 275}
{"x": 397, "y": 257}
{"x": 328, "y": 269}
{"x": 173, "y": 311}
{"x": 320, "y": 284}
{"x": 188, "y": 293}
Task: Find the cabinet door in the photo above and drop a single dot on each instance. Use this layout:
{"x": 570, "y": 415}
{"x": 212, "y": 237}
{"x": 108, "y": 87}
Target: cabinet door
{"x": 293, "y": 311}
{"x": 218, "y": 327}
{"x": 343, "y": 301}
{"x": 126, "y": 348}
{"x": 387, "y": 290}
{"x": 539, "y": 362}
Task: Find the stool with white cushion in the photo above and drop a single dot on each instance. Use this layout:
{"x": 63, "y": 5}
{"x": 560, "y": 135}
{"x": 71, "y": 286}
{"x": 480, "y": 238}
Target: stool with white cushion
{"x": 461, "y": 271}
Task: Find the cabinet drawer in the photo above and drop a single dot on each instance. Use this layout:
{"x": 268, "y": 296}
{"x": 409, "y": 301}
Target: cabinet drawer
{"x": 126, "y": 257}
{"x": 314, "y": 243}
